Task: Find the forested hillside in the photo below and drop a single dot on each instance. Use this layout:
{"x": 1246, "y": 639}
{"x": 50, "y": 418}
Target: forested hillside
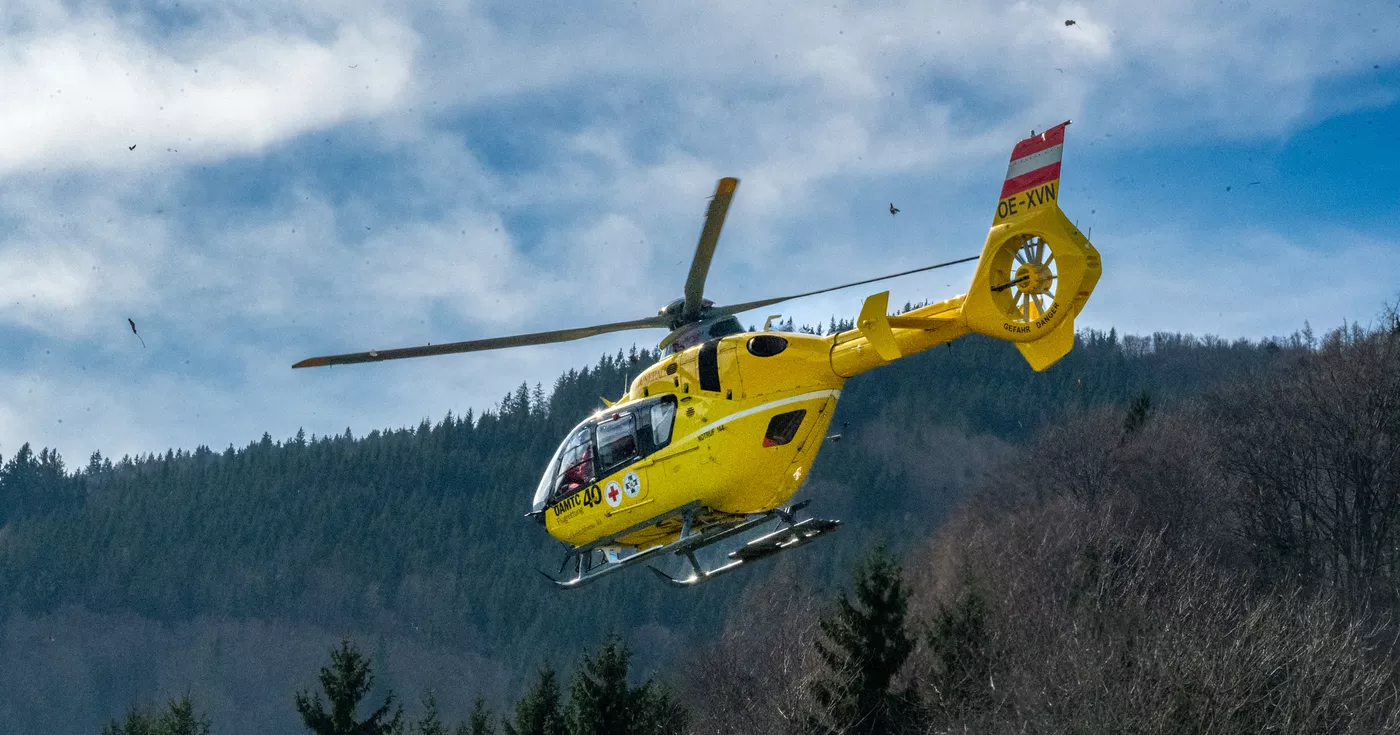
{"x": 227, "y": 572}
{"x": 1228, "y": 564}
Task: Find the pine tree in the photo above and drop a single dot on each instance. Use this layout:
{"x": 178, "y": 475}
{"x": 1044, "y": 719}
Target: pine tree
{"x": 599, "y": 699}
{"x": 866, "y": 644}
{"x": 178, "y": 718}
{"x": 602, "y": 703}
{"x": 478, "y": 722}
{"x": 430, "y": 723}
{"x": 959, "y": 643}
{"x": 346, "y": 681}
{"x": 1138, "y": 412}
{"x": 138, "y": 722}
{"x": 539, "y": 712}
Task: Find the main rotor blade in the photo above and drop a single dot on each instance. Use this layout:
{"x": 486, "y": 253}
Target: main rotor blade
{"x": 705, "y": 249}
{"x": 736, "y": 308}
{"x": 477, "y": 345}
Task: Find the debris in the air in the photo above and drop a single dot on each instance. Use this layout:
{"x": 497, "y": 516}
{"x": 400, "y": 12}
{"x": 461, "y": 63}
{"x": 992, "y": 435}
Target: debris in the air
{"x": 131, "y": 147}
{"x": 1253, "y": 183}
{"x": 1227, "y": 188}
{"x": 133, "y": 331}
{"x": 893, "y": 209}
{"x": 1069, "y": 23}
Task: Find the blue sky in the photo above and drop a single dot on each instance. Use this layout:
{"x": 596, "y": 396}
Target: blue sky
{"x": 315, "y": 177}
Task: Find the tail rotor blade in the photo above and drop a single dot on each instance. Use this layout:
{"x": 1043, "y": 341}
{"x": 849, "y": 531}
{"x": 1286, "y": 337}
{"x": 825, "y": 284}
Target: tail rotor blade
{"x": 705, "y": 249}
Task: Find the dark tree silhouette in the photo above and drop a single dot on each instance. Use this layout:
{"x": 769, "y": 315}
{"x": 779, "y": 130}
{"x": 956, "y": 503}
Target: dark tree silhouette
{"x": 602, "y": 703}
{"x": 178, "y": 718}
{"x": 430, "y": 723}
{"x": 959, "y": 643}
{"x": 866, "y": 644}
{"x": 346, "y": 682}
{"x": 539, "y": 711}
{"x": 479, "y": 721}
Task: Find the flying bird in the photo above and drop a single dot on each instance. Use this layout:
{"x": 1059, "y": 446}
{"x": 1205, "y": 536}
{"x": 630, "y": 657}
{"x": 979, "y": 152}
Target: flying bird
{"x": 893, "y": 209}
{"x": 133, "y": 331}
{"x": 131, "y": 147}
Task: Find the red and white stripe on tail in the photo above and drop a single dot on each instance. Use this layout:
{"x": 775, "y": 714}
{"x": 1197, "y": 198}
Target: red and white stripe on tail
{"x": 1033, "y": 178}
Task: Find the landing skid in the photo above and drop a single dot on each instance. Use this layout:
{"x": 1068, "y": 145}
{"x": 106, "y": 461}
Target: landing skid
{"x": 601, "y": 558}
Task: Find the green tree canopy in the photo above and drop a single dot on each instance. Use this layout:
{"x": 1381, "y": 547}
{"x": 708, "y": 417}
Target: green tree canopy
{"x": 346, "y": 682}
{"x": 178, "y": 718}
{"x": 539, "y": 711}
{"x": 602, "y": 703}
{"x": 479, "y": 721}
{"x": 866, "y": 644}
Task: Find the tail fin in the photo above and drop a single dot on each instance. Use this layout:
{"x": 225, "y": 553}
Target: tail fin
{"x": 1037, "y": 269}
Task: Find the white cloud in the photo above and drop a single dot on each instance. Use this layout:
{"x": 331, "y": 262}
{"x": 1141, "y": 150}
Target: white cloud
{"x": 1253, "y": 282}
{"x": 634, "y": 113}
{"x": 79, "y": 90}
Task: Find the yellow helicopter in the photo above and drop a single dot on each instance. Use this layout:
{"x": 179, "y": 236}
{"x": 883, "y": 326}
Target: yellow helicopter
{"x": 714, "y": 439}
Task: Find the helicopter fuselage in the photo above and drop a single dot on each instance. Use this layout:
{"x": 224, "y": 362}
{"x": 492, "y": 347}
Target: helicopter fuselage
{"x": 734, "y": 423}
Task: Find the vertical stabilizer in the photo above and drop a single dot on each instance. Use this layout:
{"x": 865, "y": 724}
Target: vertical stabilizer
{"x": 1037, "y": 269}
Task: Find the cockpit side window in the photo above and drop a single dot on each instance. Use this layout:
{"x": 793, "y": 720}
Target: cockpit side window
{"x": 576, "y": 463}
{"x": 662, "y": 417}
{"x": 617, "y": 441}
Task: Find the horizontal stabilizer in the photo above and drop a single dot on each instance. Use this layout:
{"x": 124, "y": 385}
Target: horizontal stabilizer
{"x": 874, "y": 325}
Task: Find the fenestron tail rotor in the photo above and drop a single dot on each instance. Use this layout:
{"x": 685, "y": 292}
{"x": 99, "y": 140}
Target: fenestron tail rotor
{"x": 1030, "y": 262}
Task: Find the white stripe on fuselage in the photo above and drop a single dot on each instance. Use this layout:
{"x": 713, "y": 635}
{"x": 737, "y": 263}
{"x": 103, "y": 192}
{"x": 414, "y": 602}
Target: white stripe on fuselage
{"x": 1039, "y": 159}
{"x": 759, "y": 409}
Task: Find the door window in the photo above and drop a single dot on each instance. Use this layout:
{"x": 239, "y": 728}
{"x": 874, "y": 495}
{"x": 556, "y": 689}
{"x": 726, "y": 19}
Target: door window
{"x": 663, "y": 418}
{"x": 617, "y": 441}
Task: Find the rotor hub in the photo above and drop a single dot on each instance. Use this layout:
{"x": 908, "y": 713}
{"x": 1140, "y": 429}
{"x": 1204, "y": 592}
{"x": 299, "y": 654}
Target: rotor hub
{"x": 1034, "y": 278}
{"x": 675, "y": 312}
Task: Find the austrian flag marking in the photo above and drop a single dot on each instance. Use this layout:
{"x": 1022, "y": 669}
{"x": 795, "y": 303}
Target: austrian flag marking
{"x": 1035, "y": 161}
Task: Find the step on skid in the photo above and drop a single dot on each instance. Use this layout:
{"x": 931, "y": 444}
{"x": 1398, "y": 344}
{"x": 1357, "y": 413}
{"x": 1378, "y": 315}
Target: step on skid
{"x": 699, "y": 529}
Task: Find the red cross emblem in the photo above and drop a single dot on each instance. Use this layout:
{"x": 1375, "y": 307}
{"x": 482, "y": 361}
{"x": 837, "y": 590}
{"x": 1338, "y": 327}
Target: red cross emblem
{"x": 612, "y": 495}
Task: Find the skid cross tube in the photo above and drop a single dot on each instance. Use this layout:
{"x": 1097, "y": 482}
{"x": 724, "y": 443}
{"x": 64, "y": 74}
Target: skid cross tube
{"x": 790, "y": 534}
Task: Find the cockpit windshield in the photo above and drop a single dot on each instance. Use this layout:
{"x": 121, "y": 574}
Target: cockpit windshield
{"x": 576, "y": 462}
{"x": 604, "y": 443}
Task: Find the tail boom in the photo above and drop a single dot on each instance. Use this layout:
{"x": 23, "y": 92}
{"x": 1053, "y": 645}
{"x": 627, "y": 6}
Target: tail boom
{"x": 1036, "y": 272}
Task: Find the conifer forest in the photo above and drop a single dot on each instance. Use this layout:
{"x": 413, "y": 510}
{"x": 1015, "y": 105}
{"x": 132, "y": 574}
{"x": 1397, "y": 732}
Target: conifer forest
{"x": 1215, "y": 549}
